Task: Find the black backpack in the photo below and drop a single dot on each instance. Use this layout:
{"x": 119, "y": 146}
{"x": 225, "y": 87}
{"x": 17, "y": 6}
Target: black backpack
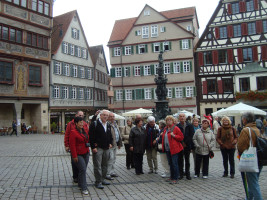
{"x": 261, "y": 150}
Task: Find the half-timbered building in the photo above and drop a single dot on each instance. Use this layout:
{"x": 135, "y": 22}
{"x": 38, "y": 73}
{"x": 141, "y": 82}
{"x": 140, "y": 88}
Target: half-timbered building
{"x": 235, "y": 36}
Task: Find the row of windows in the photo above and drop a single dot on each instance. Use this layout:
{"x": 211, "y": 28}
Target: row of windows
{"x": 6, "y": 74}
{"x": 155, "y": 47}
{"x": 147, "y": 70}
{"x": 239, "y": 30}
{"x": 101, "y": 77}
{"x": 244, "y": 84}
{"x": 15, "y": 35}
{"x": 154, "y": 31}
{"x": 242, "y": 6}
{"x": 70, "y": 92}
{"x": 150, "y": 93}
{"x": 74, "y": 50}
{"x": 37, "y": 5}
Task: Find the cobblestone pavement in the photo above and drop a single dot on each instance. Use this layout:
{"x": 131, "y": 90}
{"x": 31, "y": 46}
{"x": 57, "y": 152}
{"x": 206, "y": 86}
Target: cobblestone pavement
{"x": 37, "y": 167}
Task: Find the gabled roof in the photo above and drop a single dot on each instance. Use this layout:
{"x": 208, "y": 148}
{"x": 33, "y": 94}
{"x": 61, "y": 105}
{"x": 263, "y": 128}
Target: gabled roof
{"x": 122, "y": 27}
{"x": 252, "y": 68}
{"x": 95, "y": 52}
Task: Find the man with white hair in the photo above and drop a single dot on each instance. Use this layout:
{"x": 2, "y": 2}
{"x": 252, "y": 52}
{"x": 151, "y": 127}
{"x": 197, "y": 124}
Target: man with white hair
{"x": 101, "y": 142}
{"x": 116, "y": 143}
{"x": 152, "y": 131}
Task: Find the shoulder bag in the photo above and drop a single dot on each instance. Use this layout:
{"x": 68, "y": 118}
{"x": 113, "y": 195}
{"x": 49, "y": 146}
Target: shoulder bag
{"x": 211, "y": 153}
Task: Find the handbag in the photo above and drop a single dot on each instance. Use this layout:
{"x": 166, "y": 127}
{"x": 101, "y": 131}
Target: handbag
{"x": 249, "y": 160}
{"x": 261, "y": 150}
{"x": 211, "y": 153}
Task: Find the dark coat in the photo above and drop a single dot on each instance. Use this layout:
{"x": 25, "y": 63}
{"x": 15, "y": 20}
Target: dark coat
{"x": 99, "y": 137}
{"x": 137, "y": 140}
{"x": 153, "y": 136}
{"x": 188, "y": 135}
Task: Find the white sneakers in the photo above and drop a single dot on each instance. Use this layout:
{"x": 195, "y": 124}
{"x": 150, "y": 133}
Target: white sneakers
{"x": 85, "y": 192}
{"x": 205, "y": 177}
{"x": 165, "y": 175}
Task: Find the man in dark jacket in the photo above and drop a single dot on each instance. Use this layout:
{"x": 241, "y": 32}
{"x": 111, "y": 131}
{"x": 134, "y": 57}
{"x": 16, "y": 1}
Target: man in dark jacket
{"x": 188, "y": 131}
{"x": 100, "y": 141}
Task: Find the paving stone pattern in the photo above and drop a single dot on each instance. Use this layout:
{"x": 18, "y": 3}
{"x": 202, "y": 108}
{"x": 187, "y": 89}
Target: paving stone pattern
{"x": 37, "y": 167}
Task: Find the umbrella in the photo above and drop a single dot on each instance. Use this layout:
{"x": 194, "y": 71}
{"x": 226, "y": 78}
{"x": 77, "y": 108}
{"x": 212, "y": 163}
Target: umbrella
{"x": 117, "y": 117}
{"x": 140, "y": 111}
{"x": 239, "y": 109}
{"x": 245, "y": 183}
{"x": 187, "y": 113}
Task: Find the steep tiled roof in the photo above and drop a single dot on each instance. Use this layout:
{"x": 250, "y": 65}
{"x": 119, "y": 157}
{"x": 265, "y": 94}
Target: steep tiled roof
{"x": 122, "y": 27}
{"x": 60, "y": 26}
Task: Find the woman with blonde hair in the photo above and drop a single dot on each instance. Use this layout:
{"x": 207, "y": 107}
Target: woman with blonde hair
{"x": 227, "y": 139}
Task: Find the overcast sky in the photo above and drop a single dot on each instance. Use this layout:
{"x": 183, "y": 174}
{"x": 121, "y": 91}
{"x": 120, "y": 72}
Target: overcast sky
{"x": 98, "y": 16}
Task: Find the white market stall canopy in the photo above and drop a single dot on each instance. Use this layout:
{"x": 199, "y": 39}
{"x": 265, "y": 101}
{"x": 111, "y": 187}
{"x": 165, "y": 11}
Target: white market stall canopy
{"x": 117, "y": 117}
{"x": 187, "y": 113}
{"x": 239, "y": 109}
{"x": 217, "y": 113}
{"x": 140, "y": 111}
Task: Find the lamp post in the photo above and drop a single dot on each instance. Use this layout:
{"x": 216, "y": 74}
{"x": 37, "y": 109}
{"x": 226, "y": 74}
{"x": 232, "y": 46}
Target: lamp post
{"x": 162, "y": 104}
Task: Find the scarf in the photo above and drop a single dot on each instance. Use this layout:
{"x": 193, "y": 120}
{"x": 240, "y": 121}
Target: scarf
{"x": 226, "y": 132}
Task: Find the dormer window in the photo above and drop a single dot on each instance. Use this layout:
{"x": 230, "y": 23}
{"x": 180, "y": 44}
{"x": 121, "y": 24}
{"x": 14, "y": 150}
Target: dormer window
{"x": 146, "y": 12}
{"x": 75, "y": 33}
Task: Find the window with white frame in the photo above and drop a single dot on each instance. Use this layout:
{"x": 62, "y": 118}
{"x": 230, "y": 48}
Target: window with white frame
{"x": 167, "y": 68}
{"x": 119, "y": 95}
{"x": 57, "y": 67}
{"x": 141, "y": 48}
{"x": 75, "y": 71}
{"x": 82, "y": 72}
{"x": 89, "y": 73}
{"x": 189, "y": 91}
{"x": 186, "y": 66}
{"x": 72, "y": 49}
{"x": 146, "y": 12}
{"x": 75, "y": 33}
{"x": 88, "y": 93}
{"x": 162, "y": 29}
{"x": 188, "y": 28}
{"x": 129, "y": 94}
{"x": 117, "y": 51}
{"x": 137, "y": 71}
{"x": 178, "y": 92}
{"x": 154, "y": 31}
{"x": 138, "y": 32}
{"x": 56, "y": 92}
{"x": 169, "y": 92}
{"x": 145, "y": 31}
{"x": 148, "y": 94}
{"x": 185, "y": 44}
{"x": 176, "y": 67}
{"x": 79, "y": 52}
{"x": 74, "y": 93}
{"x": 147, "y": 70}
{"x": 65, "y": 92}
{"x": 81, "y": 93}
{"x": 65, "y": 47}
{"x": 156, "y": 47}
{"x": 84, "y": 53}
{"x": 67, "y": 70}
{"x": 118, "y": 72}
{"x": 128, "y": 50}
{"x": 156, "y": 68}
{"x": 126, "y": 71}
{"x": 166, "y": 46}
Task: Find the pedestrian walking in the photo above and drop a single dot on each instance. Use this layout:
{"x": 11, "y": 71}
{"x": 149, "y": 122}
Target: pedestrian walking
{"x": 227, "y": 139}
{"x": 79, "y": 148}
{"x": 14, "y": 127}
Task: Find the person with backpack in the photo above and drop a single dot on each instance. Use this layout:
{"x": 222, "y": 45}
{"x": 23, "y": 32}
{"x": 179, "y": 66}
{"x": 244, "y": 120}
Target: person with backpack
{"x": 227, "y": 139}
{"x": 243, "y": 144}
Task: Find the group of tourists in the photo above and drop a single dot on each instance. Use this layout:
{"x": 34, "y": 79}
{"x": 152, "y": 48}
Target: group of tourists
{"x": 174, "y": 141}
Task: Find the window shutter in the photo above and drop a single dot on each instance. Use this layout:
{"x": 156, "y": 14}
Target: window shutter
{"x": 195, "y": 91}
{"x": 230, "y": 56}
{"x": 69, "y": 49}
{"x": 259, "y": 27}
{"x": 171, "y": 66}
{"x": 204, "y": 87}
{"x": 173, "y": 92}
{"x": 191, "y": 66}
{"x": 256, "y": 4}
{"x": 70, "y": 92}
{"x": 72, "y": 35}
{"x": 244, "y": 28}
{"x": 161, "y": 46}
{"x": 123, "y": 94}
{"x": 135, "y": 33}
{"x": 229, "y": 8}
{"x": 242, "y": 6}
{"x": 255, "y": 53}
{"x": 78, "y": 34}
{"x": 230, "y": 31}
{"x": 136, "y": 49}
{"x": 63, "y": 68}
{"x": 86, "y": 54}
{"x": 217, "y": 33}
{"x": 132, "y": 50}
{"x": 133, "y": 94}
{"x": 146, "y": 49}
{"x": 220, "y": 87}
{"x": 200, "y": 59}
{"x": 189, "y": 44}
{"x": 133, "y": 71}
{"x": 114, "y": 98}
{"x": 55, "y": 68}
{"x": 76, "y": 51}
{"x": 184, "y": 92}
{"x": 112, "y": 50}
{"x": 152, "y": 69}
{"x": 152, "y": 46}
{"x": 79, "y": 71}
{"x": 62, "y": 47}
{"x": 86, "y": 72}
{"x": 122, "y": 71}
{"x": 215, "y": 57}
{"x": 181, "y": 44}
{"x": 264, "y": 52}
{"x": 123, "y": 50}
{"x": 71, "y": 70}
{"x": 129, "y": 71}
{"x": 52, "y": 91}
{"x": 92, "y": 73}
{"x": 143, "y": 93}
{"x": 240, "y": 55}
{"x": 142, "y": 70}
{"x": 181, "y": 67}
{"x": 170, "y": 45}
{"x": 164, "y": 29}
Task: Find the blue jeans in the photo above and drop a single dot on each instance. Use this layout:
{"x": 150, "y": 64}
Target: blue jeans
{"x": 254, "y": 190}
{"x": 173, "y": 163}
{"x": 82, "y": 165}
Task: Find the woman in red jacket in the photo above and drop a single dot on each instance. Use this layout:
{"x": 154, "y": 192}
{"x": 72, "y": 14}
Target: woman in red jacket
{"x": 171, "y": 144}
{"x": 79, "y": 148}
